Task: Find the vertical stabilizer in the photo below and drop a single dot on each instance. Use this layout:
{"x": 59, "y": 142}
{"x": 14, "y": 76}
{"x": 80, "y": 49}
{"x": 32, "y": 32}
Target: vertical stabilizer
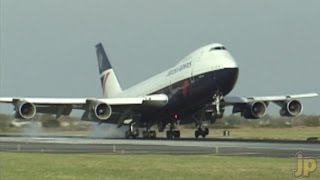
{"x": 109, "y": 81}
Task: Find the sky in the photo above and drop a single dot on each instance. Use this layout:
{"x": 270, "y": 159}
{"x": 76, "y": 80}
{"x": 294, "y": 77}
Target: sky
{"x": 47, "y": 46}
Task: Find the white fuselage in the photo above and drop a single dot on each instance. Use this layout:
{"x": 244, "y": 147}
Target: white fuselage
{"x": 203, "y": 60}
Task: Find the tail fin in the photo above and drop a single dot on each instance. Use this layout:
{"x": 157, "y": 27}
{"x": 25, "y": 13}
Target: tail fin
{"x": 109, "y": 81}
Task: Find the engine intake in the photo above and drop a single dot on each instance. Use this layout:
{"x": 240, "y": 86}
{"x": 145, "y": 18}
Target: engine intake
{"x": 291, "y": 108}
{"x": 255, "y": 110}
{"x": 25, "y": 110}
{"x": 102, "y": 111}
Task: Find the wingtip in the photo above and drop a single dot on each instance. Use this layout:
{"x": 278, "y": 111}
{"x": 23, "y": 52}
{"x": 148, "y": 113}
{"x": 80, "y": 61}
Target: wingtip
{"x": 99, "y": 44}
{"x": 313, "y": 94}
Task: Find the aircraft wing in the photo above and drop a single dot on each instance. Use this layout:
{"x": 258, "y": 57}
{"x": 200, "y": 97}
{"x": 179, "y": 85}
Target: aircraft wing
{"x": 26, "y": 108}
{"x": 255, "y": 107}
{"x": 76, "y": 102}
{"x": 230, "y": 100}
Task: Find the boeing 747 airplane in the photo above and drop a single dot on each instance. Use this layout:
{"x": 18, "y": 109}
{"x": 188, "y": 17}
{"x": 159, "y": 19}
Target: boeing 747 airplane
{"x": 195, "y": 89}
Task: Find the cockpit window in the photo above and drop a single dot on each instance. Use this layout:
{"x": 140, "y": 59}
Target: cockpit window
{"x": 218, "y": 48}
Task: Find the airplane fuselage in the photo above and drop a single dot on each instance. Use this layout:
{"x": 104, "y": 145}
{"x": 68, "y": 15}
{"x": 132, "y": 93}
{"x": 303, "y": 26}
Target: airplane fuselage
{"x": 191, "y": 83}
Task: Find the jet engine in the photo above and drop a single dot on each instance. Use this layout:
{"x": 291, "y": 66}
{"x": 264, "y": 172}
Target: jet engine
{"x": 255, "y": 110}
{"x": 102, "y": 111}
{"x": 291, "y": 108}
{"x": 25, "y": 110}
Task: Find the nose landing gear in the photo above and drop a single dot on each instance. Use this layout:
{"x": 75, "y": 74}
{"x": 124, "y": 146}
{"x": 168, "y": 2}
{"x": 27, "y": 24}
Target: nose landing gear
{"x": 210, "y": 113}
{"x": 201, "y": 132}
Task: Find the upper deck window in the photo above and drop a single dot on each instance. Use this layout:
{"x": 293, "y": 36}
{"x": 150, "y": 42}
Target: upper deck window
{"x": 218, "y": 48}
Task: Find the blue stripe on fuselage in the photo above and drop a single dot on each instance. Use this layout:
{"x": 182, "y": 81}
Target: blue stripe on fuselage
{"x": 189, "y": 95}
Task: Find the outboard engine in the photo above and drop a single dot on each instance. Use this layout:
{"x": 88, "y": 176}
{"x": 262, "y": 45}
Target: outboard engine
{"x": 291, "y": 108}
{"x": 25, "y": 110}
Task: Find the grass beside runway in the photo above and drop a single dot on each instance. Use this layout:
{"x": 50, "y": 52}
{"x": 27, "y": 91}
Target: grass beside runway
{"x": 296, "y": 133}
{"x": 93, "y": 166}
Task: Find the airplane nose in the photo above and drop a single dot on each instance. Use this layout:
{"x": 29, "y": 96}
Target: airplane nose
{"x": 227, "y": 79}
{"x": 229, "y": 63}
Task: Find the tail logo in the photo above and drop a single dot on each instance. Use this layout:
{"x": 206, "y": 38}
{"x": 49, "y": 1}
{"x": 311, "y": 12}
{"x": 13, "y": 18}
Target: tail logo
{"x": 104, "y": 79}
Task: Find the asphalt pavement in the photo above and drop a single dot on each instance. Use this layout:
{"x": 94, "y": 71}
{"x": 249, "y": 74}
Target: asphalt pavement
{"x": 82, "y": 144}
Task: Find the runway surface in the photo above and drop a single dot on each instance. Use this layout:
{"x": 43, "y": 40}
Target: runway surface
{"x": 159, "y": 146}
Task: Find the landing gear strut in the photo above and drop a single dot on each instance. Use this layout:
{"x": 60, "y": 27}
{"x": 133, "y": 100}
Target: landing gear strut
{"x": 149, "y": 134}
{"x": 210, "y": 113}
{"x": 171, "y": 133}
{"x": 201, "y": 129}
{"x": 132, "y": 132}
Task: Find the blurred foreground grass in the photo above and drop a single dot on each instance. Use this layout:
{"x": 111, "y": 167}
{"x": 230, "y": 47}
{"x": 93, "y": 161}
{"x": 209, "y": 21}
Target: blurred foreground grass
{"x": 106, "y": 166}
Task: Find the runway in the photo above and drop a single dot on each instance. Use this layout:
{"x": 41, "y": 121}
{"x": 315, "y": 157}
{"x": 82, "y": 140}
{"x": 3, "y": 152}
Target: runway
{"x": 159, "y": 146}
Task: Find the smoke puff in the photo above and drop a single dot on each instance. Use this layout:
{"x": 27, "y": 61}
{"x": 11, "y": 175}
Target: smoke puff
{"x": 107, "y": 131}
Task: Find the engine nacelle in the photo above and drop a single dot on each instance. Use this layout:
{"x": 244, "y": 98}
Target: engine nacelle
{"x": 291, "y": 108}
{"x": 25, "y": 110}
{"x": 102, "y": 111}
{"x": 255, "y": 110}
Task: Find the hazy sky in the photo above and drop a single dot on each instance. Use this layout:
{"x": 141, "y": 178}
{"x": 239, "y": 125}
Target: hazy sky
{"x": 47, "y": 47}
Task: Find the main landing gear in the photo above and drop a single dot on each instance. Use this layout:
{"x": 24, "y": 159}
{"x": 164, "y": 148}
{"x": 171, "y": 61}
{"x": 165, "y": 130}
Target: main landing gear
{"x": 132, "y": 132}
{"x": 149, "y": 134}
{"x": 173, "y": 133}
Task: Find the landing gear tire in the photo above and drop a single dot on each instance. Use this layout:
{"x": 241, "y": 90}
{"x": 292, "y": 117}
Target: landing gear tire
{"x": 132, "y": 134}
{"x": 196, "y": 134}
{"x": 176, "y": 134}
{"x": 201, "y": 132}
{"x": 169, "y": 135}
{"x": 149, "y": 134}
{"x": 206, "y": 131}
{"x": 153, "y": 134}
{"x": 173, "y": 134}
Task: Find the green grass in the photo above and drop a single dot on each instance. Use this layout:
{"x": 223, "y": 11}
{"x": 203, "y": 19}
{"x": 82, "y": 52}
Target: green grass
{"x": 98, "y": 166}
{"x": 298, "y": 133}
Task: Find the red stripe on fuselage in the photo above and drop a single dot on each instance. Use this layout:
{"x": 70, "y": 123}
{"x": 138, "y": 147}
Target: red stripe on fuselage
{"x": 184, "y": 87}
